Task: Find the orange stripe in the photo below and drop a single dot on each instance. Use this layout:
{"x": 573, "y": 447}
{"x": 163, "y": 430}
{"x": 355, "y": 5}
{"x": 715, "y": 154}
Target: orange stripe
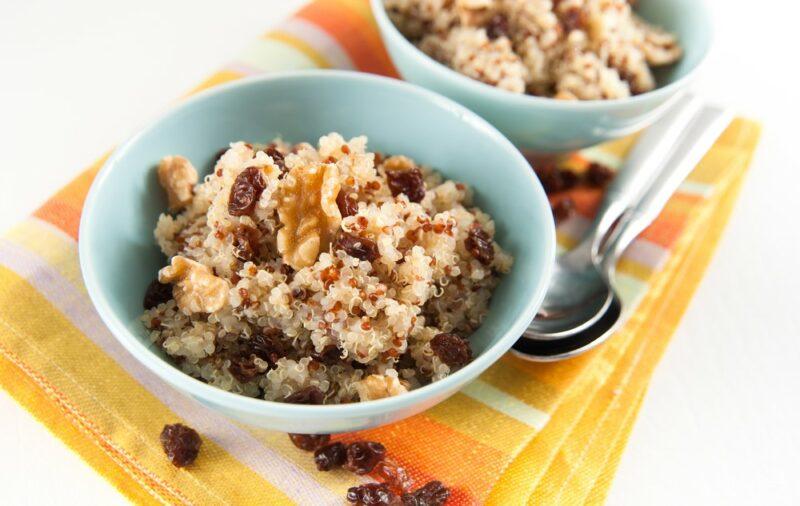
{"x": 61, "y": 215}
{"x": 361, "y": 41}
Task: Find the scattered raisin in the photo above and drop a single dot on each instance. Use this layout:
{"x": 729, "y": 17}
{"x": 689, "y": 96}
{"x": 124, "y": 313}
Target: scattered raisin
{"x": 451, "y": 349}
{"x": 432, "y": 493}
{"x": 497, "y": 27}
{"x": 357, "y": 247}
{"x": 348, "y": 205}
{"x": 308, "y": 395}
{"x": 277, "y": 157}
{"x": 243, "y": 367}
{"x": 309, "y": 442}
{"x": 245, "y": 192}
{"x": 409, "y": 182}
{"x": 563, "y": 209}
{"x": 267, "y": 345}
{"x": 181, "y": 444}
{"x": 573, "y": 19}
{"x": 330, "y": 354}
{"x": 363, "y": 456}
{"x": 156, "y": 293}
{"x": 479, "y": 244}
{"x": 550, "y": 177}
{"x": 395, "y": 476}
{"x": 245, "y": 242}
{"x": 569, "y": 179}
{"x": 371, "y": 494}
{"x": 330, "y": 456}
{"x": 598, "y": 175}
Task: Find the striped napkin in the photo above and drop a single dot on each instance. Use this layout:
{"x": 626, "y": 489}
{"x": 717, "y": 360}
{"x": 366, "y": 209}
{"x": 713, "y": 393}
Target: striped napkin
{"x": 521, "y": 433}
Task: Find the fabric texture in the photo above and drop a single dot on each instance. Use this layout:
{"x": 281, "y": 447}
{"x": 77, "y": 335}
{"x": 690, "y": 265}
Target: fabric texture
{"x": 521, "y": 433}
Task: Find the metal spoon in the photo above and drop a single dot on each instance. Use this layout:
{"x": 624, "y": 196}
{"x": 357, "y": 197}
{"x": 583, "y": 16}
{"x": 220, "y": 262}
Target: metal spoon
{"x": 578, "y": 294}
{"x": 694, "y": 142}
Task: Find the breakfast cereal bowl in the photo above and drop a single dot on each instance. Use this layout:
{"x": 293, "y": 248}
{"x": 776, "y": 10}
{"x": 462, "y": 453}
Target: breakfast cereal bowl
{"x": 120, "y": 257}
{"x": 543, "y": 124}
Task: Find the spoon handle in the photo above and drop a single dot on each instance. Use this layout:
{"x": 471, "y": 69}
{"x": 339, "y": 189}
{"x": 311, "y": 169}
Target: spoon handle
{"x": 640, "y": 168}
{"x": 695, "y": 141}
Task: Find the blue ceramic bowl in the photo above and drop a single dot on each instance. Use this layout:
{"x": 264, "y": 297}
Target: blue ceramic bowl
{"x": 119, "y": 257}
{"x": 548, "y": 125}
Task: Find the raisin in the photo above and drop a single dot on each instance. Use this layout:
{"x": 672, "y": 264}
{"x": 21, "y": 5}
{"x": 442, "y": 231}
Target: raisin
{"x": 550, "y": 176}
{"x": 277, "y": 157}
{"x": 406, "y": 361}
{"x": 181, "y": 444}
{"x": 357, "y": 247}
{"x": 371, "y": 494}
{"x": 563, "y": 209}
{"x": 479, "y": 245}
{"x": 267, "y": 345}
{"x": 451, "y": 349}
{"x": 573, "y": 19}
{"x": 363, "y": 456}
{"x": 330, "y": 456}
{"x": 348, "y": 205}
{"x": 432, "y": 493}
{"x": 497, "y": 27}
{"x": 308, "y": 395}
{"x": 156, "y": 293}
{"x": 243, "y": 367}
{"x": 395, "y": 476}
{"x": 569, "y": 179}
{"x": 245, "y": 192}
{"x": 245, "y": 242}
{"x": 598, "y": 175}
{"x": 330, "y": 354}
{"x": 309, "y": 442}
{"x": 407, "y": 181}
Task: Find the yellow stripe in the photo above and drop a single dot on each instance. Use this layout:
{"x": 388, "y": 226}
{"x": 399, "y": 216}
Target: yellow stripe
{"x": 223, "y": 76}
{"x": 57, "y": 249}
{"x": 300, "y": 45}
{"x": 634, "y": 268}
{"x": 128, "y": 415}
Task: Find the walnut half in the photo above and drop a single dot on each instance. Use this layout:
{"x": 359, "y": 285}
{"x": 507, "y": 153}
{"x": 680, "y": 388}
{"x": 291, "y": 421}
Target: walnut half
{"x": 177, "y": 176}
{"x": 378, "y": 386}
{"x": 309, "y": 214}
{"x": 195, "y": 287}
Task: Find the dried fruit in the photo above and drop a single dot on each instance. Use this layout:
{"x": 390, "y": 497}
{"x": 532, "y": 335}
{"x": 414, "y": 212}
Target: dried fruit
{"x": 573, "y": 19}
{"x": 156, "y": 293}
{"x": 308, "y": 395}
{"x": 563, "y": 209}
{"x": 309, "y": 213}
{"x": 371, "y": 494}
{"x": 357, "y": 247}
{"x": 479, "y": 245}
{"x": 378, "y": 386}
{"x": 276, "y": 156}
{"x": 177, "y": 176}
{"x": 245, "y": 242}
{"x": 432, "y": 493}
{"x": 181, "y": 444}
{"x": 347, "y": 201}
{"x": 309, "y": 442}
{"x": 395, "y": 476}
{"x": 267, "y": 345}
{"x": 451, "y": 349}
{"x": 408, "y": 182}
{"x": 598, "y": 175}
{"x": 330, "y": 354}
{"x": 243, "y": 367}
{"x": 245, "y": 192}
{"x": 197, "y": 289}
{"x": 550, "y": 176}
{"x": 497, "y": 27}
{"x": 330, "y": 456}
{"x": 363, "y": 456}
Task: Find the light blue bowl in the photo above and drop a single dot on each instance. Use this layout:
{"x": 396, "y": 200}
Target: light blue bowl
{"x": 549, "y": 125}
{"x": 119, "y": 257}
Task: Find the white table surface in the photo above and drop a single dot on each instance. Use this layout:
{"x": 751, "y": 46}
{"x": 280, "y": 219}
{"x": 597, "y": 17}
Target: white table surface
{"x": 720, "y": 423}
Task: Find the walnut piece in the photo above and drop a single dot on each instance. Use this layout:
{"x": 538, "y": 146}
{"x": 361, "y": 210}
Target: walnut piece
{"x": 177, "y": 176}
{"x": 378, "y": 386}
{"x": 195, "y": 287}
{"x": 308, "y": 211}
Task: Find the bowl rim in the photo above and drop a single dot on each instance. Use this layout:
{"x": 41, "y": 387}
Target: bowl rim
{"x": 240, "y": 403}
{"x": 386, "y": 26}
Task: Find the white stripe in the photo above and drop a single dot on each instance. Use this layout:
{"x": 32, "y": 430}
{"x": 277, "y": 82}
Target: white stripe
{"x": 506, "y": 404}
{"x": 319, "y": 40}
{"x": 268, "y": 463}
{"x": 646, "y": 253}
{"x": 695, "y": 188}
{"x": 599, "y": 155}
{"x": 268, "y": 55}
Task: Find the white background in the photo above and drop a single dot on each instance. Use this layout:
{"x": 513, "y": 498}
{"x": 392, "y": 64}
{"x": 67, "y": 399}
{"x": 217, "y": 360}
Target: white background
{"x": 720, "y": 423}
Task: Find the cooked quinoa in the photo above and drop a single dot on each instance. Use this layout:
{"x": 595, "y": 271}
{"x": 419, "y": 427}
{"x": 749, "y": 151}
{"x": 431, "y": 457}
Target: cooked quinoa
{"x": 566, "y": 49}
{"x": 326, "y": 274}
